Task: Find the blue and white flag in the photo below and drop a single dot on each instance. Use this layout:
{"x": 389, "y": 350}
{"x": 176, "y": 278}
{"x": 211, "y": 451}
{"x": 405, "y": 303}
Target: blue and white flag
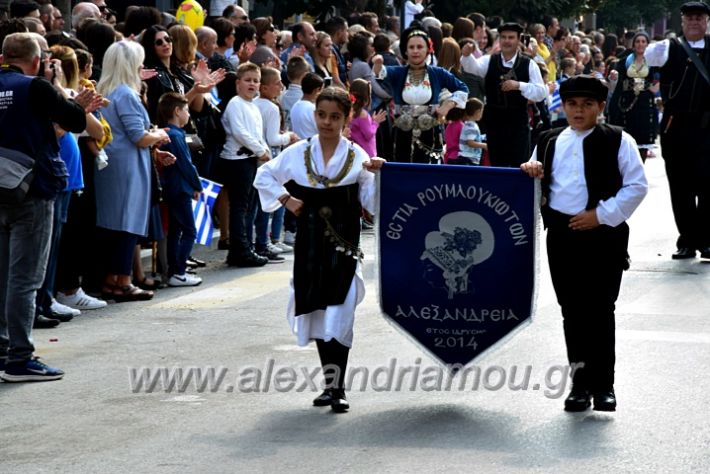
{"x": 456, "y": 256}
{"x": 202, "y": 211}
{"x": 556, "y": 101}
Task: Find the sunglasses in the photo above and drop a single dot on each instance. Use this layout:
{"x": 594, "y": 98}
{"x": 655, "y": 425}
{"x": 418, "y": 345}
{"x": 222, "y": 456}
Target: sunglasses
{"x": 166, "y": 40}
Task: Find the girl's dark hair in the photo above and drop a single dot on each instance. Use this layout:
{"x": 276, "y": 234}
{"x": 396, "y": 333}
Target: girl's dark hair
{"x": 166, "y": 107}
{"x": 360, "y": 89}
{"x": 97, "y": 36}
{"x": 357, "y": 46}
{"x": 227, "y": 89}
{"x": 262, "y": 25}
{"x": 141, "y": 18}
{"x": 337, "y": 95}
{"x": 148, "y": 43}
{"x": 455, "y": 114}
{"x": 223, "y": 28}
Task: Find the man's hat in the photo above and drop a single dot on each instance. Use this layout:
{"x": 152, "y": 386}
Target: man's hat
{"x": 510, "y": 27}
{"x": 694, "y": 7}
{"x": 22, "y": 8}
{"x": 584, "y": 86}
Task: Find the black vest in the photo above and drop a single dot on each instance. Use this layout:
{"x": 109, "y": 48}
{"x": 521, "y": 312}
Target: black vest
{"x": 683, "y": 88}
{"x": 499, "y": 103}
{"x": 601, "y": 163}
{"x": 322, "y": 275}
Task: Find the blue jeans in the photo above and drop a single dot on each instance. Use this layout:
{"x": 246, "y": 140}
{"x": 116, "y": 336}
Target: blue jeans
{"x": 46, "y": 293}
{"x": 257, "y": 221}
{"x": 277, "y": 223}
{"x": 181, "y": 233}
{"x": 25, "y": 232}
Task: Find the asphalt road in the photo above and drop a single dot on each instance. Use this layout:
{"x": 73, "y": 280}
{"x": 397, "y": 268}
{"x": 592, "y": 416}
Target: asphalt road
{"x": 94, "y": 421}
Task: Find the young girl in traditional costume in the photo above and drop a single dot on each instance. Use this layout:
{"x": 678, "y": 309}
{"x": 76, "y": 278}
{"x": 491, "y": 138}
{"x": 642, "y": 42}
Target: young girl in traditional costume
{"x": 329, "y": 180}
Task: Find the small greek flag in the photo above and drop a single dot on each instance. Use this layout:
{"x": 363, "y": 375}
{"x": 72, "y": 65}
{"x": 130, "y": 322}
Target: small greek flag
{"x": 202, "y": 211}
{"x": 556, "y": 102}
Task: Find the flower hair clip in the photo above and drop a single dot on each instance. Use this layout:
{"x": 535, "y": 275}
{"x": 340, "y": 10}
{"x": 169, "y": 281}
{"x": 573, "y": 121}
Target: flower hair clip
{"x": 353, "y": 99}
{"x": 431, "y": 46}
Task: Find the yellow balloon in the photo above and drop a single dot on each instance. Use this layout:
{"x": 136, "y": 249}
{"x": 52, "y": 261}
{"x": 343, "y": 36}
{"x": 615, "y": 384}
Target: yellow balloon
{"x": 190, "y": 13}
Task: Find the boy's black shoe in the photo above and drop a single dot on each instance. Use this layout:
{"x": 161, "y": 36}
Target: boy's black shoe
{"x": 704, "y": 252}
{"x": 578, "y": 399}
{"x": 223, "y": 244}
{"x": 605, "y": 401}
{"x": 339, "y": 404}
{"x": 683, "y": 253}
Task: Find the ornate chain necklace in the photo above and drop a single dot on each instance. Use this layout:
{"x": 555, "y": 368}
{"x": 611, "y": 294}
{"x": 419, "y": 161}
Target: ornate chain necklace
{"x": 316, "y": 179}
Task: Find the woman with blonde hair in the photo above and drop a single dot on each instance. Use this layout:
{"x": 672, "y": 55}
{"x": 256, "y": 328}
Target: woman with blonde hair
{"x": 123, "y": 188}
{"x": 325, "y": 61}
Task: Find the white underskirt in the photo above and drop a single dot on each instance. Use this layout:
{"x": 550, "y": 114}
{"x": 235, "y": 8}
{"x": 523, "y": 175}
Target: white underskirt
{"x": 333, "y": 322}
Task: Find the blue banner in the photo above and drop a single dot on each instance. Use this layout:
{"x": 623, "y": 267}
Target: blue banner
{"x": 456, "y": 255}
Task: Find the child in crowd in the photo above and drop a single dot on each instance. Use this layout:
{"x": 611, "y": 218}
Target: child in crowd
{"x": 327, "y": 170}
{"x": 302, "y": 119}
{"x": 243, "y": 149}
{"x": 471, "y": 145}
{"x": 181, "y": 184}
{"x": 363, "y": 127}
{"x": 296, "y": 68}
{"x": 585, "y": 205}
{"x": 452, "y": 135}
{"x": 277, "y": 139}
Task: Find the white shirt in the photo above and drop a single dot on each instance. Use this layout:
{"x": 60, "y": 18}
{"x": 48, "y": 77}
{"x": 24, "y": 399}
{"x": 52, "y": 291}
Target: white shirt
{"x": 243, "y": 125}
{"x": 411, "y": 9}
{"x": 303, "y": 120}
{"x": 568, "y": 186}
{"x": 657, "y": 53}
{"x": 535, "y": 90}
{"x": 271, "y": 117}
{"x": 336, "y": 321}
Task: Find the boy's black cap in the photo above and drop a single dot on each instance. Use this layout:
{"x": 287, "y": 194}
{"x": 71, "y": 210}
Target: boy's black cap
{"x": 584, "y": 86}
{"x": 694, "y": 7}
{"x": 510, "y": 26}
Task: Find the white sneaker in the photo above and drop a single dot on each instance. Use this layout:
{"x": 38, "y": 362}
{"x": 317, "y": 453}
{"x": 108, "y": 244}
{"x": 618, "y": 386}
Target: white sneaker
{"x": 289, "y": 238}
{"x": 60, "y": 309}
{"x": 80, "y": 300}
{"x": 274, "y": 248}
{"x": 184, "y": 280}
{"x": 284, "y": 248}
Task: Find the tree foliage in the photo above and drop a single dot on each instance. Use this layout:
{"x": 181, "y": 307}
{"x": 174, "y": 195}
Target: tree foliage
{"x": 615, "y": 14}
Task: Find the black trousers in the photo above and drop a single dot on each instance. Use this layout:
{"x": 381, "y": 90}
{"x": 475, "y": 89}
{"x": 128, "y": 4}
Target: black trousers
{"x": 686, "y": 151}
{"x": 238, "y": 177}
{"x": 508, "y": 137}
{"x": 586, "y": 269}
{"x": 334, "y": 360}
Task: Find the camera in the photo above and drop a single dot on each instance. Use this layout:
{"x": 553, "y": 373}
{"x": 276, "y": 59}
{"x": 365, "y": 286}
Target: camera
{"x": 525, "y": 38}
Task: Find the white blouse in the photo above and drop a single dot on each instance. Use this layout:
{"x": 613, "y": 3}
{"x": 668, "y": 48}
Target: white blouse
{"x": 335, "y": 322}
